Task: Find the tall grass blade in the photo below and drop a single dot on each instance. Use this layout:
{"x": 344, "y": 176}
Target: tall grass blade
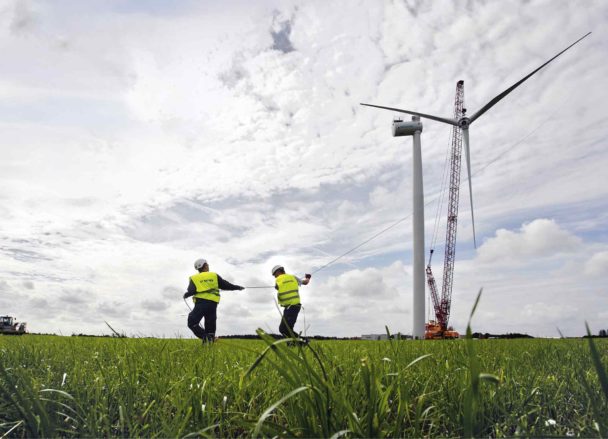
{"x": 422, "y": 357}
{"x": 5, "y": 435}
{"x": 597, "y": 362}
{"x": 205, "y": 432}
{"x": 339, "y": 434}
{"x": 474, "y": 308}
{"x": 118, "y": 335}
{"x": 270, "y": 409}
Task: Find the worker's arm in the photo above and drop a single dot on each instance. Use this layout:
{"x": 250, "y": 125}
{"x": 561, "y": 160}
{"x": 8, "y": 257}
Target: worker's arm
{"x": 304, "y": 281}
{"x": 225, "y": 285}
{"x": 191, "y": 290}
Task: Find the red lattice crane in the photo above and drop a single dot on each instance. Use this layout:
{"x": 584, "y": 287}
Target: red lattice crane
{"x": 439, "y": 328}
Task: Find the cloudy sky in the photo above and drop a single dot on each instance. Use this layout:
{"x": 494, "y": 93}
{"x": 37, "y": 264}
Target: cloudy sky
{"x": 140, "y": 136}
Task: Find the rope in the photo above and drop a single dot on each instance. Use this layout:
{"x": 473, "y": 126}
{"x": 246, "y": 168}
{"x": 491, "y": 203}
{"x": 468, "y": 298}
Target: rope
{"x": 517, "y": 143}
{"x": 361, "y": 245}
{"x": 399, "y": 221}
{"x": 442, "y": 192}
{"x": 304, "y": 314}
{"x": 462, "y": 183}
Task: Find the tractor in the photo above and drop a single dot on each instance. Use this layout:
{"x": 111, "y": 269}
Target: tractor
{"x": 9, "y": 326}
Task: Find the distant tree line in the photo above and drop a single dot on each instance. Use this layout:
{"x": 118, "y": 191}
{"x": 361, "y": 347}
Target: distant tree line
{"x": 509, "y": 335}
{"x": 602, "y": 334}
{"x": 278, "y": 336}
{"x": 241, "y": 336}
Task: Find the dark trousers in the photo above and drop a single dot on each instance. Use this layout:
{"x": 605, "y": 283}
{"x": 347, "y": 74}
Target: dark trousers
{"x": 290, "y": 315}
{"x": 206, "y": 309}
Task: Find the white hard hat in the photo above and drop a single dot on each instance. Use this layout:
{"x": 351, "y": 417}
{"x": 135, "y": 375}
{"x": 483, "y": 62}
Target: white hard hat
{"x": 277, "y": 267}
{"x": 199, "y": 263}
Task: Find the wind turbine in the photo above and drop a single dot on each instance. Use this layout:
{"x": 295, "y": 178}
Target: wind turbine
{"x": 414, "y": 128}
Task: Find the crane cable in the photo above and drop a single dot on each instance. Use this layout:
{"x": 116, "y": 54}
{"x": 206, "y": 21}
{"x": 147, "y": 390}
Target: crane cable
{"x": 442, "y": 191}
{"x": 475, "y": 174}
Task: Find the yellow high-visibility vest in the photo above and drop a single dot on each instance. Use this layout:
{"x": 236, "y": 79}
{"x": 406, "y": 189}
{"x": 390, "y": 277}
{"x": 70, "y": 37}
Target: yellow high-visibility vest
{"x": 288, "y": 290}
{"x": 207, "y": 286}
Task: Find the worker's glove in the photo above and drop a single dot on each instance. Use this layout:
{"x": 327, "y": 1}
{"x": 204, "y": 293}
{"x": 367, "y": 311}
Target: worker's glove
{"x": 186, "y": 295}
{"x": 308, "y": 276}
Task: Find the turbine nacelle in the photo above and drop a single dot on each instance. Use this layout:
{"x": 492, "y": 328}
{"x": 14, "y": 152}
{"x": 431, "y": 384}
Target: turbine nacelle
{"x": 406, "y": 128}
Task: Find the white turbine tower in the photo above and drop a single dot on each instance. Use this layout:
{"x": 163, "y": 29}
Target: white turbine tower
{"x": 414, "y": 129}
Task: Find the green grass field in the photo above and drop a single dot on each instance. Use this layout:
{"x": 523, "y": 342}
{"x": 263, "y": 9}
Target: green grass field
{"x": 92, "y": 387}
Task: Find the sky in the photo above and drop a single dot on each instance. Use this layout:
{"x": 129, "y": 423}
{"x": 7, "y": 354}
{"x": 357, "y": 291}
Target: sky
{"x": 139, "y": 136}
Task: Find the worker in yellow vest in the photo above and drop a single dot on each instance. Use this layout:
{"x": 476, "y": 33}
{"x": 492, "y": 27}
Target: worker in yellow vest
{"x": 205, "y": 286}
{"x": 288, "y": 294}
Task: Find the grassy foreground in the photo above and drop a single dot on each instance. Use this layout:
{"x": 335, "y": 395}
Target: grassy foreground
{"x": 93, "y": 387}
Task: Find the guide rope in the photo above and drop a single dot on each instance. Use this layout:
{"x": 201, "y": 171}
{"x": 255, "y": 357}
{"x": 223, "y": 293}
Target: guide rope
{"x": 442, "y": 191}
{"x": 440, "y": 197}
{"x": 479, "y": 170}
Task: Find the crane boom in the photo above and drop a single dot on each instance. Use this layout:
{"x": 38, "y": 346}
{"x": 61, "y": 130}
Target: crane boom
{"x": 430, "y": 280}
{"x": 450, "y": 233}
{"x": 442, "y": 305}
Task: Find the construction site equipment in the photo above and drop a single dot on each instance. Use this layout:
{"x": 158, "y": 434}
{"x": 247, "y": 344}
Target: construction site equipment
{"x": 434, "y": 331}
{"x": 9, "y": 326}
{"x": 415, "y": 128}
{"x": 438, "y": 329}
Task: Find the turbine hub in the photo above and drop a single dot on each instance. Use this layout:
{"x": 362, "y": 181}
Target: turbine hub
{"x": 464, "y": 123}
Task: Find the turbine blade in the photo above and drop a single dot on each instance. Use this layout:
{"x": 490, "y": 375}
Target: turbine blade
{"x": 414, "y": 113}
{"x": 494, "y": 101}
{"x": 465, "y": 135}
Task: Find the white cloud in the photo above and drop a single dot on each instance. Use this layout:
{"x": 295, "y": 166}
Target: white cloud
{"x": 554, "y": 313}
{"x": 541, "y": 283}
{"x": 597, "y": 264}
{"x": 358, "y": 286}
{"x": 540, "y": 238}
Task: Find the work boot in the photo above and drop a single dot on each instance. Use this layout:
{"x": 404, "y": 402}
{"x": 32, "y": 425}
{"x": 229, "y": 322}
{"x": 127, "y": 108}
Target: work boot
{"x": 208, "y": 339}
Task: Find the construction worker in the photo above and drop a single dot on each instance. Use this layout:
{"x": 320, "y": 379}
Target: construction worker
{"x": 288, "y": 286}
{"x": 205, "y": 286}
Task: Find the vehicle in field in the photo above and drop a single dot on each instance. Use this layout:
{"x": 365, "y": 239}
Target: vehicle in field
{"x": 9, "y": 326}
{"x": 434, "y": 331}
